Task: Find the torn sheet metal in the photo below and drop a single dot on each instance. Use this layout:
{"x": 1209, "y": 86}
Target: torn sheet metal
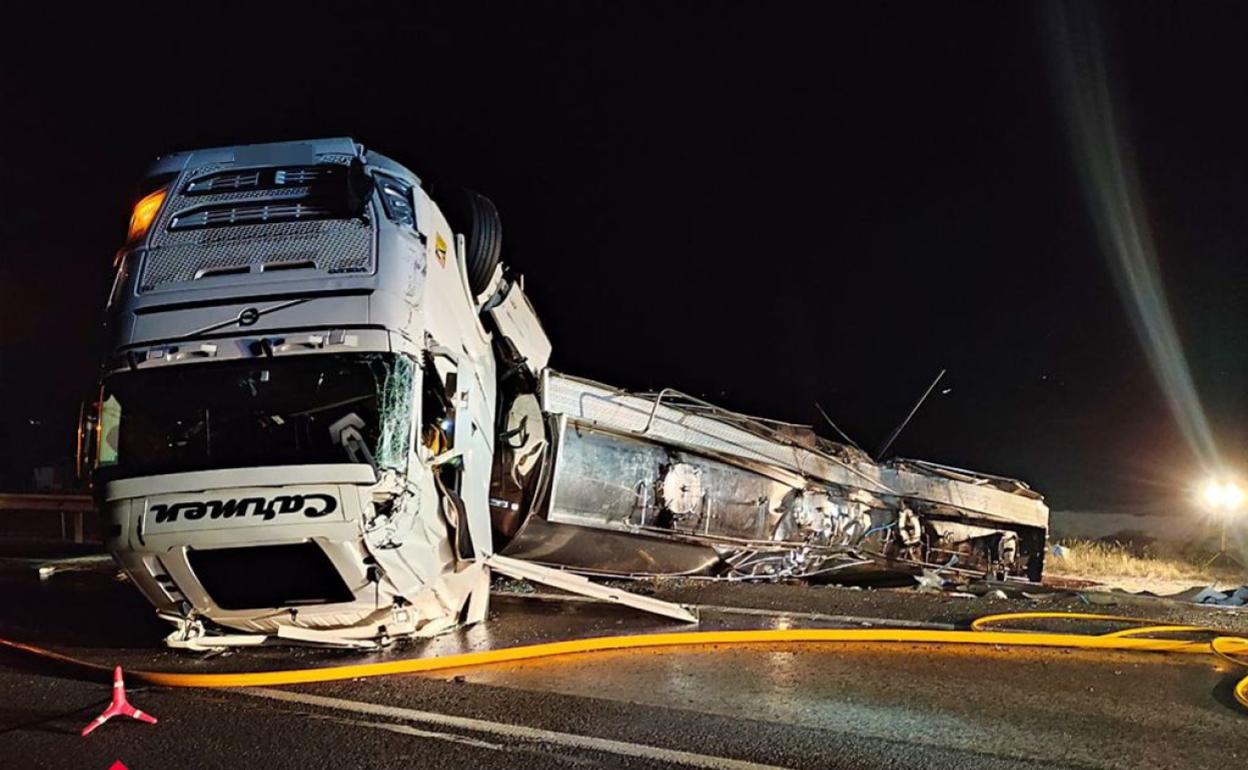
{"x": 676, "y": 420}
{"x": 741, "y": 497}
{"x": 522, "y": 570}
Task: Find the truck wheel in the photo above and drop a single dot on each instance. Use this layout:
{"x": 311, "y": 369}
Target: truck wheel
{"x": 474, "y": 216}
{"x": 1035, "y": 566}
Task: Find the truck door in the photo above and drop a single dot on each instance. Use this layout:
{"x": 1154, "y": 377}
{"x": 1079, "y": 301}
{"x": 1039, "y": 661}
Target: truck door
{"x": 455, "y": 423}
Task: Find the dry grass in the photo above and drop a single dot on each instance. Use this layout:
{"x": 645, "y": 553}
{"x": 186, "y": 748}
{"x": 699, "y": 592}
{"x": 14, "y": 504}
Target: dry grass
{"x": 1097, "y": 560}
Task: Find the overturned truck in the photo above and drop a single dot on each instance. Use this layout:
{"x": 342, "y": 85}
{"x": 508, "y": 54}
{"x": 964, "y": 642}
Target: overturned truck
{"x": 326, "y": 415}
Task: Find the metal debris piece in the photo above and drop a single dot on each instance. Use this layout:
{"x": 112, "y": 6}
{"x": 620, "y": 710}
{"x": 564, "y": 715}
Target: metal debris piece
{"x": 576, "y": 584}
{"x": 1211, "y": 595}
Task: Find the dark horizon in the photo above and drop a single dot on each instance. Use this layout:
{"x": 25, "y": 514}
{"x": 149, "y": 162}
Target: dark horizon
{"x": 752, "y": 206}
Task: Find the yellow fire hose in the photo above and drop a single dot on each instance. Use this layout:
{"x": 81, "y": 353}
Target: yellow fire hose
{"x": 1141, "y": 636}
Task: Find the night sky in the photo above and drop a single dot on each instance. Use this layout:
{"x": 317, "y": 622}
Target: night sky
{"x": 761, "y": 206}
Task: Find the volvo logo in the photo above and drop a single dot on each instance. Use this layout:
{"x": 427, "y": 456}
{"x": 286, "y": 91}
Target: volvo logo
{"x": 312, "y": 506}
{"x": 248, "y": 317}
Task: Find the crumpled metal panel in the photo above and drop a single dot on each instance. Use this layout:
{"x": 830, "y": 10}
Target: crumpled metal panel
{"x": 610, "y": 481}
{"x": 606, "y": 551}
{"x": 703, "y": 428}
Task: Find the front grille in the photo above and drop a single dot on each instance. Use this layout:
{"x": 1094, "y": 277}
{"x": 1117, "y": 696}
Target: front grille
{"x": 308, "y": 175}
{"x": 224, "y": 183}
{"x": 265, "y": 179}
{"x": 225, "y": 221}
{"x": 252, "y": 214}
{"x": 332, "y": 245}
{"x": 268, "y": 576}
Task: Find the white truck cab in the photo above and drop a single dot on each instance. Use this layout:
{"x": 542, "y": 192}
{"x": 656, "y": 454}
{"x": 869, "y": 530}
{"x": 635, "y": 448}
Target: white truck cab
{"x": 297, "y": 414}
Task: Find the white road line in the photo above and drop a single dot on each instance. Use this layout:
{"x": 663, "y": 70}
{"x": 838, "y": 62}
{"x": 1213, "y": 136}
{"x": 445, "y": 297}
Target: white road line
{"x": 415, "y": 731}
{"x": 622, "y": 748}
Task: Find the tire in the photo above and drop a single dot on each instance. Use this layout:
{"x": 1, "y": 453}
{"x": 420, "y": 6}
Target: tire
{"x": 474, "y": 216}
{"x": 1035, "y": 566}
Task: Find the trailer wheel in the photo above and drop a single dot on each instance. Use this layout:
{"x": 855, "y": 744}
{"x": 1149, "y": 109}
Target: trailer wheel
{"x": 474, "y": 216}
{"x": 1035, "y": 566}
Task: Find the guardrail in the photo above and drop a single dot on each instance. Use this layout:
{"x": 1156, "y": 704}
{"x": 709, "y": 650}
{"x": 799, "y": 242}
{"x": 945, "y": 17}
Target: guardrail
{"x": 72, "y": 509}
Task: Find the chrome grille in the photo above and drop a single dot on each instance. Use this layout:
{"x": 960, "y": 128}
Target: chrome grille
{"x": 262, "y": 179}
{"x": 231, "y": 229}
{"x": 228, "y": 216}
{"x": 331, "y": 245}
{"x": 224, "y": 182}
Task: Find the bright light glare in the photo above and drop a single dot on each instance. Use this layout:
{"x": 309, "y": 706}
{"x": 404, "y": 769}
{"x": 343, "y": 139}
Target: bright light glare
{"x": 1116, "y": 196}
{"x": 1221, "y": 495}
{"x": 144, "y": 212}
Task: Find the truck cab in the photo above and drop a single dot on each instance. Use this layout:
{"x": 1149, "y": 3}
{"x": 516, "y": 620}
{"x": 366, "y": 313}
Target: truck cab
{"x": 296, "y": 417}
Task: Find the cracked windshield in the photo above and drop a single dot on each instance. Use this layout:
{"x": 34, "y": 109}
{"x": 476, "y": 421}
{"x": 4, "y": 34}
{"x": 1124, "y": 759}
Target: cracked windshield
{"x": 296, "y": 410}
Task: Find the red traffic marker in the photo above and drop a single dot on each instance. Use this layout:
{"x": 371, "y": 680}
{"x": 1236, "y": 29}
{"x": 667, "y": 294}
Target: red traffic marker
{"x": 119, "y": 707}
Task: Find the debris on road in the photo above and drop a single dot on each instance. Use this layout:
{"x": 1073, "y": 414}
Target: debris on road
{"x": 47, "y": 569}
{"x": 1210, "y": 595}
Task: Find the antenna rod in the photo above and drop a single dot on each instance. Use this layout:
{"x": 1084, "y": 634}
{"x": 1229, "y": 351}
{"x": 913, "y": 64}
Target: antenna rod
{"x": 839, "y": 432}
{"x": 880, "y": 454}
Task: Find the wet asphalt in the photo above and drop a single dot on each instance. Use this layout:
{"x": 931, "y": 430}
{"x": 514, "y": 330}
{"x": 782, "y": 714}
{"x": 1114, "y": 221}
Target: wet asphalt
{"x": 813, "y": 706}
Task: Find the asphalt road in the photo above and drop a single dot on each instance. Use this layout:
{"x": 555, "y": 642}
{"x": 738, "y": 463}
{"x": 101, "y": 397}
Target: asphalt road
{"x": 809, "y": 706}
